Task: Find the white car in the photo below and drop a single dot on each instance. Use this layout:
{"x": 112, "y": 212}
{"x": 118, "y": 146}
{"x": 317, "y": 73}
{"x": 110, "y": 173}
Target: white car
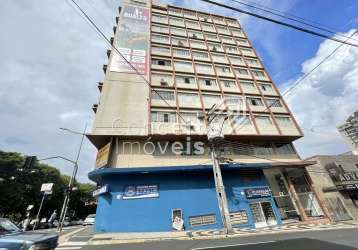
{"x": 90, "y": 219}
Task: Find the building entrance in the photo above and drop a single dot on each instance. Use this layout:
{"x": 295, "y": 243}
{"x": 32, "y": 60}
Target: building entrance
{"x": 263, "y": 214}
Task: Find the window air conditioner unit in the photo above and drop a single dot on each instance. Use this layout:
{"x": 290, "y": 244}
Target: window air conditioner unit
{"x": 214, "y": 48}
{"x": 194, "y": 36}
{"x": 205, "y": 19}
{"x": 180, "y": 43}
{"x": 163, "y": 82}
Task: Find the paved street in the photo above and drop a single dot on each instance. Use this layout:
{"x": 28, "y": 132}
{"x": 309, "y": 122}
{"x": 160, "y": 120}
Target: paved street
{"x": 343, "y": 239}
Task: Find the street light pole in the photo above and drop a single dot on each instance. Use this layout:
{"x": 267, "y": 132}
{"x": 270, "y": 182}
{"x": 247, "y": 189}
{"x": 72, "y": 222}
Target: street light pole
{"x": 72, "y": 180}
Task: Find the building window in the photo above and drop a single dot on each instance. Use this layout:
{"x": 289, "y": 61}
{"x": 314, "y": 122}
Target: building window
{"x": 179, "y": 42}
{"x": 223, "y": 69}
{"x": 192, "y": 25}
{"x": 204, "y": 67}
{"x": 160, "y": 95}
{"x": 252, "y": 62}
{"x": 226, "y": 39}
{"x": 197, "y": 44}
{"x": 160, "y": 39}
{"x": 242, "y": 41}
{"x": 263, "y": 149}
{"x": 195, "y": 35}
{"x": 162, "y": 50}
{"x": 236, "y": 60}
{"x": 167, "y": 117}
{"x": 181, "y": 52}
{"x": 266, "y": 87}
{"x": 211, "y": 37}
{"x": 210, "y": 100}
{"x": 242, "y": 121}
{"x": 183, "y": 65}
{"x": 176, "y": 12}
{"x": 258, "y": 73}
{"x": 208, "y": 27}
{"x": 215, "y": 46}
{"x": 271, "y": 102}
{"x": 232, "y": 100}
{"x": 159, "y": 18}
{"x": 164, "y": 80}
{"x": 241, "y": 71}
{"x": 207, "y": 82}
{"x": 284, "y": 148}
{"x": 218, "y": 58}
{"x": 248, "y": 86}
{"x": 158, "y": 28}
{"x": 228, "y": 83}
{"x": 200, "y": 55}
{"x": 201, "y": 220}
{"x": 161, "y": 62}
{"x": 255, "y": 101}
{"x": 188, "y": 98}
{"x": 231, "y": 49}
{"x": 191, "y": 118}
{"x": 185, "y": 79}
{"x": 176, "y": 21}
{"x": 179, "y": 32}
{"x": 205, "y": 18}
{"x": 263, "y": 121}
{"x": 237, "y": 32}
{"x": 284, "y": 121}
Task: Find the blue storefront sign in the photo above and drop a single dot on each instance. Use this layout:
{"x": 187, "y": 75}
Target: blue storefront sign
{"x": 140, "y": 192}
{"x": 252, "y": 193}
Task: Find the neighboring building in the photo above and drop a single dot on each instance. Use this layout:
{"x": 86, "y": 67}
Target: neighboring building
{"x": 153, "y": 163}
{"x": 335, "y": 178}
{"x": 349, "y": 130}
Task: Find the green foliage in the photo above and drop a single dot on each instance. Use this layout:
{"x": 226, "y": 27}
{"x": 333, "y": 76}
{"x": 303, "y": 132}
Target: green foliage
{"x": 19, "y": 188}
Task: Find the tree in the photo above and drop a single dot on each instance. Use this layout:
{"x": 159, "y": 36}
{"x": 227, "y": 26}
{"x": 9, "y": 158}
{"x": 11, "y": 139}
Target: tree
{"x": 20, "y": 188}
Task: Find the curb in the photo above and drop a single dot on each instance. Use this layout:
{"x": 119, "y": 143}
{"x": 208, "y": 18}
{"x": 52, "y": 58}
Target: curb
{"x": 63, "y": 238}
{"x": 107, "y": 241}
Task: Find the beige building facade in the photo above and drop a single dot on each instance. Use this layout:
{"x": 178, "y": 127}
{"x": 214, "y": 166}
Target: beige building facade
{"x": 167, "y": 68}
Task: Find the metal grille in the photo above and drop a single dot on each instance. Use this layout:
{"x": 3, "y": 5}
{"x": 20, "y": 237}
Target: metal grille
{"x": 337, "y": 209}
{"x": 202, "y": 220}
{"x": 238, "y": 217}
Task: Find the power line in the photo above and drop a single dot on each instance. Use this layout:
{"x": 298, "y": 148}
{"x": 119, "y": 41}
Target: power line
{"x": 294, "y": 85}
{"x": 290, "y": 17}
{"x": 280, "y": 23}
{"x": 103, "y": 36}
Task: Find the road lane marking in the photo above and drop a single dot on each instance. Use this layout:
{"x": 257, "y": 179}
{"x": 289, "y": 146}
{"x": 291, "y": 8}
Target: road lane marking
{"x": 74, "y": 243}
{"x": 235, "y": 245}
{"x": 67, "y": 248}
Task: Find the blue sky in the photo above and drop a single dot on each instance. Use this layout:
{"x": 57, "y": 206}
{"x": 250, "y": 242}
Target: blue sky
{"x": 51, "y": 61}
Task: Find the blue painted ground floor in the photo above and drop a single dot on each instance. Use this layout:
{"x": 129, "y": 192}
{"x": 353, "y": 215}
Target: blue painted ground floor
{"x": 160, "y": 199}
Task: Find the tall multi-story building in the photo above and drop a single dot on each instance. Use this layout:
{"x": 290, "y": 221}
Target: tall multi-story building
{"x": 349, "y": 130}
{"x": 153, "y": 166}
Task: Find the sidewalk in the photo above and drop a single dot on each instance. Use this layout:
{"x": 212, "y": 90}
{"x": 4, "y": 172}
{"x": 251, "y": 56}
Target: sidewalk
{"x": 118, "y": 238}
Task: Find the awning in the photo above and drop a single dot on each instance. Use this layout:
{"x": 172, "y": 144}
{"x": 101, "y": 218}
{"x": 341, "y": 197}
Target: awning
{"x": 98, "y": 174}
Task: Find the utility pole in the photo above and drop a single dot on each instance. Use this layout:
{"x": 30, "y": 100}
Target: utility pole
{"x": 37, "y": 222}
{"x": 72, "y": 180}
{"x": 214, "y": 134}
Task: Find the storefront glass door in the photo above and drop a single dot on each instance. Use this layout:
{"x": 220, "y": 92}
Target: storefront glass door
{"x": 263, "y": 214}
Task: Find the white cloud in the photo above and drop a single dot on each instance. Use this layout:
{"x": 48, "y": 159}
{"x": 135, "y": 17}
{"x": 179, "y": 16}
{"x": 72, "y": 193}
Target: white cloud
{"x": 326, "y": 98}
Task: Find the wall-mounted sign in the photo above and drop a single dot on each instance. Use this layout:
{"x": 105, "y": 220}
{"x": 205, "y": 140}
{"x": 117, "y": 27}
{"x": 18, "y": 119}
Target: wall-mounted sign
{"x": 139, "y": 192}
{"x": 101, "y": 190}
{"x": 342, "y": 180}
{"x": 46, "y": 187}
{"x": 131, "y": 40}
{"x": 103, "y": 155}
{"x": 261, "y": 192}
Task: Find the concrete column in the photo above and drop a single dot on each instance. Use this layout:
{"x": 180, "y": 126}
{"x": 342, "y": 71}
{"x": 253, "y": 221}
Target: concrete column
{"x": 295, "y": 197}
